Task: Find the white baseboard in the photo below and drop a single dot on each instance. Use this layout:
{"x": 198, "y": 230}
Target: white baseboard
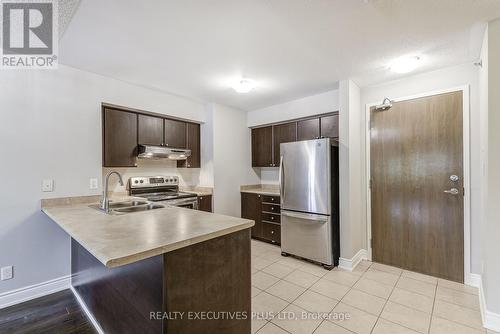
{"x": 491, "y": 320}
{"x": 350, "y": 264}
{"x": 473, "y": 280}
{"x": 17, "y": 296}
{"x": 87, "y": 311}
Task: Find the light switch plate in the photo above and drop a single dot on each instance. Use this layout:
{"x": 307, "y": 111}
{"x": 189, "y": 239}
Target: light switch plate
{"x": 6, "y": 273}
{"x": 48, "y": 185}
{"x": 93, "y": 184}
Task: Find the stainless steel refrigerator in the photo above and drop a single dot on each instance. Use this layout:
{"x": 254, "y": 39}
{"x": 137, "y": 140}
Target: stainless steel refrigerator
{"x": 309, "y": 188}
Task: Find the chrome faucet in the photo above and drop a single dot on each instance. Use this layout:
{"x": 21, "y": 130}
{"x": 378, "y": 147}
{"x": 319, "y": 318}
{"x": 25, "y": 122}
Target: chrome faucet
{"x": 105, "y": 200}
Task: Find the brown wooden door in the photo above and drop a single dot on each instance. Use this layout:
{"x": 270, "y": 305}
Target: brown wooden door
{"x": 251, "y": 209}
{"x": 175, "y": 133}
{"x": 308, "y": 129}
{"x": 192, "y": 143}
{"x": 262, "y": 147}
{"x": 205, "y": 203}
{"x": 283, "y": 133}
{"x": 415, "y": 147}
{"x": 119, "y": 138}
{"x": 330, "y": 126}
{"x": 150, "y": 130}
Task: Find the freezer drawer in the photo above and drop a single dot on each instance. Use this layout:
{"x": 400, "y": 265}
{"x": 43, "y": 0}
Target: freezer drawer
{"x": 307, "y": 235}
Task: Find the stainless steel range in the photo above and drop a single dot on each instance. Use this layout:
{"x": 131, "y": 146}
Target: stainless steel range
{"x": 162, "y": 189}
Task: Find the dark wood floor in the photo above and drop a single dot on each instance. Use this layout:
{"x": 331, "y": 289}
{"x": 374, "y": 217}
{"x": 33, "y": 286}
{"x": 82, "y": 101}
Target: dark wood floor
{"x": 55, "y": 313}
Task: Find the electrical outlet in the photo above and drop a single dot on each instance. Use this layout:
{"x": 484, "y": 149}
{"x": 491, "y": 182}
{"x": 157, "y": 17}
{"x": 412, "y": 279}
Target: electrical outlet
{"x": 6, "y": 273}
{"x": 93, "y": 184}
{"x": 48, "y": 185}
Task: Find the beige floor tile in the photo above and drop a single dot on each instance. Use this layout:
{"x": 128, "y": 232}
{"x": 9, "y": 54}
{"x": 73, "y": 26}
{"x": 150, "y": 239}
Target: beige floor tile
{"x": 286, "y": 290}
{"x": 257, "y": 324}
{"x": 255, "y": 291}
{"x": 458, "y": 297}
{"x": 260, "y": 263}
{"x": 263, "y": 281}
{"x": 407, "y": 317}
{"x": 489, "y": 331}
{"x": 364, "y": 301}
{"x": 327, "y": 327}
{"x": 381, "y": 276}
{"x": 419, "y": 287}
{"x": 254, "y": 270}
{"x": 291, "y": 262}
{"x": 342, "y": 277}
{"x": 278, "y": 270}
{"x": 386, "y": 268}
{"x": 443, "y": 326}
{"x": 271, "y": 255}
{"x": 265, "y": 303}
{"x": 314, "y": 269}
{"x": 301, "y": 278}
{"x": 419, "y": 277}
{"x": 373, "y": 287}
{"x": 330, "y": 289}
{"x": 355, "y": 320}
{"x": 459, "y": 314}
{"x": 386, "y": 327}
{"x": 271, "y": 328}
{"x": 412, "y": 299}
{"x": 298, "y": 320}
{"x": 315, "y": 302}
{"x": 458, "y": 286}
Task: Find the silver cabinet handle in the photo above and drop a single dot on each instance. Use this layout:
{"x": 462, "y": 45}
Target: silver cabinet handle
{"x": 452, "y": 191}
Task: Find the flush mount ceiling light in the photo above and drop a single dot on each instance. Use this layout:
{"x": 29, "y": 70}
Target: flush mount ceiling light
{"x": 243, "y": 86}
{"x": 405, "y": 64}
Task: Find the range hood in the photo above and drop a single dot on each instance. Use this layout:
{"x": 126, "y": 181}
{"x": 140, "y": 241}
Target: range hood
{"x": 160, "y": 152}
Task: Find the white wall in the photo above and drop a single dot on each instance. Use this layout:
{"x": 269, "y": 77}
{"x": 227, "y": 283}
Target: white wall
{"x": 51, "y": 128}
{"x": 232, "y": 159}
{"x": 451, "y": 77}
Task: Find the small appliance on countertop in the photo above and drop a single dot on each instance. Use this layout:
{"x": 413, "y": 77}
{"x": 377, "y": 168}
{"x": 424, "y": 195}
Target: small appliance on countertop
{"x": 162, "y": 189}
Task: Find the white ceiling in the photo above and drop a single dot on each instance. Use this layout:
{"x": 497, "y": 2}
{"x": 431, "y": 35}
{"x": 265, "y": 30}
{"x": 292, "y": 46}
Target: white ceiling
{"x": 291, "y": 48}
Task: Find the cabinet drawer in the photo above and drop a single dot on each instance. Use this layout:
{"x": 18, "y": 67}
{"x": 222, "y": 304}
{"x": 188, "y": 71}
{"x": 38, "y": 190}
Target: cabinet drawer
{"x": 270, "y": 208}
{"x": 269, "y": 217}
{"x": 271, "y": 232}
{"x": 270, "y": 199}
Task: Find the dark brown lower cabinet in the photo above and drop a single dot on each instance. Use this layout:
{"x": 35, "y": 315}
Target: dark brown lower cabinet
{"x": 265, "y": 211}
{"x": 205, "y": 203}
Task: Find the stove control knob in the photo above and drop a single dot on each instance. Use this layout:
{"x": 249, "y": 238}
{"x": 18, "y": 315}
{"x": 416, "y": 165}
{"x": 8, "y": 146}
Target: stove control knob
{"x": 142, "y": 181}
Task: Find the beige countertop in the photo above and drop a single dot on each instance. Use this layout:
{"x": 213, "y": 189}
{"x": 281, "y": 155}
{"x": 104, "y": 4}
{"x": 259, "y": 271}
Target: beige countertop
{"x": 262, "y": 189}
{"x": 117, "y": 240}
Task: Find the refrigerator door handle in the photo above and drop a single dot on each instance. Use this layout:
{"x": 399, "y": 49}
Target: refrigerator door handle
{"x": 306, "y": 216}
{"x": 281, "y": 179}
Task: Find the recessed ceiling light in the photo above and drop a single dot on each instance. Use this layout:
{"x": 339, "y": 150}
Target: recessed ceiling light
{"x": 405, "y": 64}
{"x": 244, "y": 86}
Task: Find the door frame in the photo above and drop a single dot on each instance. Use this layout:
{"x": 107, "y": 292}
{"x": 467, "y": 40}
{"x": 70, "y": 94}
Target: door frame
{"x": 465, "y": 89}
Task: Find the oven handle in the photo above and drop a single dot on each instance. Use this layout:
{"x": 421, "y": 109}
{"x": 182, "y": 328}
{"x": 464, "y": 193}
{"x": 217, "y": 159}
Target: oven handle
{"x": 183, "y": 201}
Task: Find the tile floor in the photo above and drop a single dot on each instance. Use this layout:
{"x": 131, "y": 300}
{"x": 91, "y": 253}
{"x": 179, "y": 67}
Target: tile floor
{"x": 374, "y": 298}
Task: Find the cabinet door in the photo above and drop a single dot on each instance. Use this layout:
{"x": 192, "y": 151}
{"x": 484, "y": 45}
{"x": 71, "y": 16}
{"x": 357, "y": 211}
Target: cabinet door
{"x": 150, "y": 130}
{"x": 283, "y": 133}
{"x": 262, "y": 147}
{"x": 271, "y": 232}
{"x": 308, "y": 129}
{"x": 192, "y": 143}
{"x": 205, "y": 203}
{"x": 175, "y": 133}
{"x": 119, "y": 138}
{"x": 251, "y": 209}
{"x": 330, "y": 126}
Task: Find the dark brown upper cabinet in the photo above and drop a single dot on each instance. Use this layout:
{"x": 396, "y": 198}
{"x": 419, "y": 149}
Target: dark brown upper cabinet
{"x": 283, "y": 133}
{"x": 119, "y": 138}
{"x": 193, "y": 143}
{"x": 262, "y": 147}
{"x": 330, "y": 126}
{"x": 175, "y": 133}
{"x": 308, "y": 129}
{"x": 150, "y": 130}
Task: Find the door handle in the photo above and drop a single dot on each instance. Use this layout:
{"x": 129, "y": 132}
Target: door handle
{"x": 306, "y": 216}
{"x": 281, "y": 179}
{"x": 452, "y": 191}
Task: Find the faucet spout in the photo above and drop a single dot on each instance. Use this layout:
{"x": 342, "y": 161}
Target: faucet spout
{"x": 105, "y": 200}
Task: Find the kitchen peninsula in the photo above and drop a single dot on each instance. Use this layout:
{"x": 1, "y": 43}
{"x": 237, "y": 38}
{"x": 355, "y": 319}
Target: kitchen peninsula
{"x": 132, "y": 269}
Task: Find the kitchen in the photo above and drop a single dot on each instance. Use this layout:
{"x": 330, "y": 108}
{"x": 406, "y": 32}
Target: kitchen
{"x": 220, "y": 132}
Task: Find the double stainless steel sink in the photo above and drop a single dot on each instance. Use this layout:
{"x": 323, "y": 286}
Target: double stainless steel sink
{"x": 128, "y": 207}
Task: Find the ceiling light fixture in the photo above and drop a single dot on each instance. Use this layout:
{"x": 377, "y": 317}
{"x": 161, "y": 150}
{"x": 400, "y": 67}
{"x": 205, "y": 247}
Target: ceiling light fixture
{"x": 405, "y": 64}
{"x": 243, "y": 86}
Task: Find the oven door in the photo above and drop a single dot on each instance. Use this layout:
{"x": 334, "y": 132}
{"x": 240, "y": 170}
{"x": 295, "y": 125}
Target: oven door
{"x": 190, "y": 203}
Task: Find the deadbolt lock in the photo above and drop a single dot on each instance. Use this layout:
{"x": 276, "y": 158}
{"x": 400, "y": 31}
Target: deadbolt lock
{"x": 454, "y": 178}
